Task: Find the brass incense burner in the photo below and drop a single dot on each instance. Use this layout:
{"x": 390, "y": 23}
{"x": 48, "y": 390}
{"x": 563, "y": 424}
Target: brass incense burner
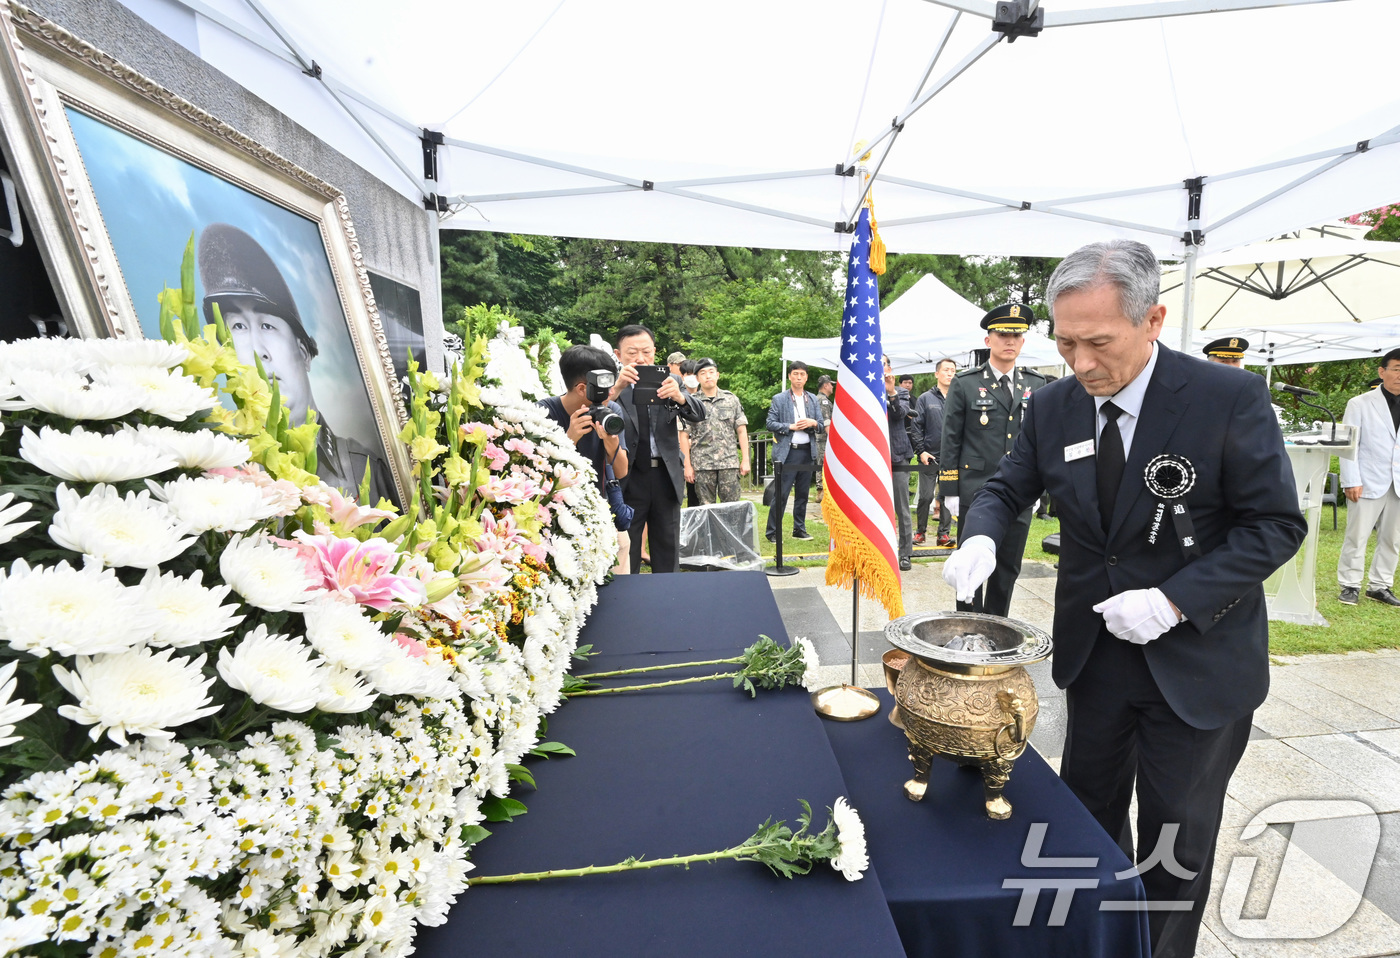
{"x": 975, "y": 706}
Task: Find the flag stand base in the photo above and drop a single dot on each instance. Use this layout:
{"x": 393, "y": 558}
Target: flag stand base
{"x": 782, "y": 570}
{"x": 845, "y": 703}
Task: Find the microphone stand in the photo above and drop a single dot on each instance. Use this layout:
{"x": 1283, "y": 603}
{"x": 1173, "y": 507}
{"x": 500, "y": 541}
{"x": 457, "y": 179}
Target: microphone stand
{"x": 1334, "y": 441}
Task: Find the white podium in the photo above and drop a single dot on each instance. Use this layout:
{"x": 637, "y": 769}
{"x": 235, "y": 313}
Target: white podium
{"x": 1291, "y": 592}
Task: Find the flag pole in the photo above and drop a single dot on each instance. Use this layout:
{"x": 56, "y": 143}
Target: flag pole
{"x": 848, "y": 703}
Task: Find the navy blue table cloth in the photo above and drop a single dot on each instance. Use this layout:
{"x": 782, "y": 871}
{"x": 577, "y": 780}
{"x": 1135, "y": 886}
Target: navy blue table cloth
{"x": 670, "y": 772}
{"x": 943, "y": 861}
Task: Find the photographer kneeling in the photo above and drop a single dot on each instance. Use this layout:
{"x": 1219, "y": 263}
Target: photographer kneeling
{"x": 595, "y": 426}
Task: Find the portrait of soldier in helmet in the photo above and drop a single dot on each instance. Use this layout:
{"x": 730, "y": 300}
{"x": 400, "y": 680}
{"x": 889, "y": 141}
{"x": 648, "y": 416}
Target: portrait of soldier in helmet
{"x": 258, "y": 308}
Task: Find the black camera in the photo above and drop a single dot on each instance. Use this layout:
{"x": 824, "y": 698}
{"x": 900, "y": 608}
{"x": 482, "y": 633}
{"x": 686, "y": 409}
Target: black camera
{"x": 598, "y": 383}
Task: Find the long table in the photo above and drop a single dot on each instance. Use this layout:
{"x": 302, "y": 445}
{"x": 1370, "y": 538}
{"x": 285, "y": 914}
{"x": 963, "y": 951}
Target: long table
{"x": 696, "y": 768}
{"x": 677, "y": 771}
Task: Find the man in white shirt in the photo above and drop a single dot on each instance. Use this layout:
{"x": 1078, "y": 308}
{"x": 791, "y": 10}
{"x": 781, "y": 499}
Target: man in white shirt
{"x": 1372, "y": 485}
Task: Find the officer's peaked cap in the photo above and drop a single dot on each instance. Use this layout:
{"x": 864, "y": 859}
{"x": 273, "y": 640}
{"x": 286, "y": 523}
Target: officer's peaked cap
{"x": 1009, "y": 318}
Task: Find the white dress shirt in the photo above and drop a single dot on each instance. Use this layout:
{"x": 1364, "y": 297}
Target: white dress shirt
{"x": 799, "y": 411}
{"x": 1129, "y": 399}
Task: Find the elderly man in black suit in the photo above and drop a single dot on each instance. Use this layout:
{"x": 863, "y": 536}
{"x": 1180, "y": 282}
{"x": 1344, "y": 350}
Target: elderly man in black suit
{"x": 655, "y": 486}
{"x": 1176, "y": 501}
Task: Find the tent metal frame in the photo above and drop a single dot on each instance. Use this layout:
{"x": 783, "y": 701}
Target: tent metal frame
{"x": 344, "y": 97}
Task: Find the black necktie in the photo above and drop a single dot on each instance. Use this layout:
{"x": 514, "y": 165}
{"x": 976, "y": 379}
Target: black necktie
{"x": 1006, "y": 383}
{"x": 642, "y": 460}
{"x": 1110, "y": 463}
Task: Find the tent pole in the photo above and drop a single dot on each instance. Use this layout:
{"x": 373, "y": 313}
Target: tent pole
{"x": 1188, "y": 298}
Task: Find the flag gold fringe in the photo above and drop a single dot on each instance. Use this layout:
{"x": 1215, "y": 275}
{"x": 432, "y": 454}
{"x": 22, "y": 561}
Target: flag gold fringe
{"x": 852, "y": 557}
{"x": 877, "y": 247}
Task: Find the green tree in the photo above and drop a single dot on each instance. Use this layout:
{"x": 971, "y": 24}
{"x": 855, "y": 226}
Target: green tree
{"x": 741, "y": 327}
{"x": 985, "y": 281}
{"x": 522, "y": 273}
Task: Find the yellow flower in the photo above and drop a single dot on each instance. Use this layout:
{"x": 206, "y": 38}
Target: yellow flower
{"x": 425, "y": 448}
{"x": 302, "y": 438}
{"x": 430, "y": 382}
{"x": 457, "y": 470}
{"x": 443, "y": 557}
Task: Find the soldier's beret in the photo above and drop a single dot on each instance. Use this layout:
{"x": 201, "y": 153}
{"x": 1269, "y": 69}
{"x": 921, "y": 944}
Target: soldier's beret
{"x": 1228, "y": 347}
{"x": 1009, "y": 318}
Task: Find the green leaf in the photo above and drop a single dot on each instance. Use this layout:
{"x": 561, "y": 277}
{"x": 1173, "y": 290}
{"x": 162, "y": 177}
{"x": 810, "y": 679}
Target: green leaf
{"x": 471, "y": 834}
{"x": 547, "y": 749}
{"x": 497, "y": 809}
{"x": 519, "y": 773}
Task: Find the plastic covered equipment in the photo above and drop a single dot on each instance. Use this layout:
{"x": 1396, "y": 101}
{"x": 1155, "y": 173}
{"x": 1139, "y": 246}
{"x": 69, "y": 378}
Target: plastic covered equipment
{"x": 719, "y": 536}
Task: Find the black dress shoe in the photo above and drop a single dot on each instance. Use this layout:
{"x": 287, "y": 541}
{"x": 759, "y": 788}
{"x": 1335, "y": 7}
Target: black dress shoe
{"x": 1382, "y": 595}
{"x": 904, "y": 565}
{"x": 804, "y": 535}
{"x": 1348, "y": 595}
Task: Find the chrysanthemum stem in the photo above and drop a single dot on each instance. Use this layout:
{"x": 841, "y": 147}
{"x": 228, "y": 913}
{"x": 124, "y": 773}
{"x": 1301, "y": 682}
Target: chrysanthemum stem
{"x": 739, "y": 851}
{"x": 657, "y": 668}
{"x": 654, "y": 685}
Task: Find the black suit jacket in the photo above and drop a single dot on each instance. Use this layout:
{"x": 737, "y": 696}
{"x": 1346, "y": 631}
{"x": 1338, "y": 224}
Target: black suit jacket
{"x": 663, "y": 426}
{"x": 1213, "y": 668}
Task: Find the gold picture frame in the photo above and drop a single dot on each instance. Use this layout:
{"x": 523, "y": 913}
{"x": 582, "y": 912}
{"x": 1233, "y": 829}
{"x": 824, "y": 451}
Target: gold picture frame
{"x": 187, "y": 171}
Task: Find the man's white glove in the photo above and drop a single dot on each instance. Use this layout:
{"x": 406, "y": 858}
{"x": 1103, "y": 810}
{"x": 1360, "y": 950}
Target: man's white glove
{"x": 969, "y": 567}
{"x": 1138, "y": 616}
{"x": 951, "y": 504}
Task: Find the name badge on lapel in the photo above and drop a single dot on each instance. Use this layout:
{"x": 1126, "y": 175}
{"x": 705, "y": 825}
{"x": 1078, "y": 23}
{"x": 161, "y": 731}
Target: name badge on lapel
{"x": 1079, "y": 450}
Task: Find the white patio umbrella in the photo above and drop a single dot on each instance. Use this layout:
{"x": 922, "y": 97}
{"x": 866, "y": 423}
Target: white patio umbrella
{"x": 1313, "y": 277}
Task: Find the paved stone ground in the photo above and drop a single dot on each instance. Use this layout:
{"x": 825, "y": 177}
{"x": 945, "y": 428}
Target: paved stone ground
{"x": 1330, "y": 729}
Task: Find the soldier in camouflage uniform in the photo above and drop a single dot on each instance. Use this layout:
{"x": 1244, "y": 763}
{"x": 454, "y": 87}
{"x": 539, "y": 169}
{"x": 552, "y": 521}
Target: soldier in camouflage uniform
{"x": 719, "y": 444}
{"x": 980, "y": 401}
{"x": 825, "y": 388}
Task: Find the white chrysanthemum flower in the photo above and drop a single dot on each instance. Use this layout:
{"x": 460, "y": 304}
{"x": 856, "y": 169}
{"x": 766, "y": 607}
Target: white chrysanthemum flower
{"x": 52, "y": 355}
{"x": 70, "y": 395}
{"x": 810, "y": 661}
{"x": 405, "y": 674}
{"x": 16, "y": 933}
{"x": 275, "y": 670}
{"x": 214, "y": 502}
{"x": 852, "y": 859}
{"x": 8, "y": 528}
{"x": 344, "y": 635}
{"x": 132, "y": 531}
{"x": 11, "y": 711}
{"x": 70, "y": 611}
{"x": 343, "y": 691}
{"x": 186, "y": 612}
{"x": 136, "y": 693}
{"x": 201, "y": 449}
{"x": 162, "y": 392}
{"x": 266, "y": 575}
{"x": 132, "y": 352}
{"x": 82, "y": 456}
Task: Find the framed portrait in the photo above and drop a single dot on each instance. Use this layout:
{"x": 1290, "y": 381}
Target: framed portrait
{"x": 401, "y": 315}
{"x": 119, "y": 173}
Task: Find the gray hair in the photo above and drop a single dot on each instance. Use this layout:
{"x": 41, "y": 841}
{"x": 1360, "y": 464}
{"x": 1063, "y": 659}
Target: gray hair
{"x": 1127, "y": 265}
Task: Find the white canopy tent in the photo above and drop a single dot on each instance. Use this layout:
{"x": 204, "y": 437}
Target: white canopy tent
{"x": 928, "y": 322}
{"x": 1327, "y": 342}
{"x": 1175, "y": 122}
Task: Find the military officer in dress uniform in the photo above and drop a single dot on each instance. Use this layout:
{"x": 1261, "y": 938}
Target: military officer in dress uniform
{"x": 981, "y": 419}
{"x": 1228, "y": 351}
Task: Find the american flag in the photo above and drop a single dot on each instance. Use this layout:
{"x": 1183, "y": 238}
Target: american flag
{"x": 858, "y": 504}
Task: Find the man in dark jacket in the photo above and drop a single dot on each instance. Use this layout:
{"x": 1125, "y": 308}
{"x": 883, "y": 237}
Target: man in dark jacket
{"x": 1176, "y": 500}
{"x": 928, "y": 442}
{"x": 901, "y": 451}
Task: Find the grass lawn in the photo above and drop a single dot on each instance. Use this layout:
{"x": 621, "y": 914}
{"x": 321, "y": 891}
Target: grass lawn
{"x": 1369, "y": 625}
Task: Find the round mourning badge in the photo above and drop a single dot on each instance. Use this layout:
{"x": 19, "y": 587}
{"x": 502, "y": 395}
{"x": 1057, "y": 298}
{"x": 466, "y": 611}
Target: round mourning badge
{"x": 1170, "y": 476}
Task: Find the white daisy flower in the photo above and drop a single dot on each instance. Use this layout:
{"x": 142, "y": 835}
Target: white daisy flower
{"x": 70, "y": 611}
{"x": 136, "y": 693}
{"x": 132, "y": 531}
{"x": 9, "y": 529}
{"x": 266, "y": 575}
{"x": 345, "y": 636}
{"x": 214, "y": 502}
{"x": 11, "y": 711}
{"x": 186, "y": 612}
{"x": 809, "y": 661}
{"x": 70, "y": 395}
{"x": 852, "y": 859}
{"x": 16, "y": 933}
{"x": 82, "y": 456}
{"x": 132, "y": 352}
{"x": 343, "y": 691}
{"x": 201, "y": 449}
{"x": 275, "y": 670}
{"x": 163, "y": 392}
